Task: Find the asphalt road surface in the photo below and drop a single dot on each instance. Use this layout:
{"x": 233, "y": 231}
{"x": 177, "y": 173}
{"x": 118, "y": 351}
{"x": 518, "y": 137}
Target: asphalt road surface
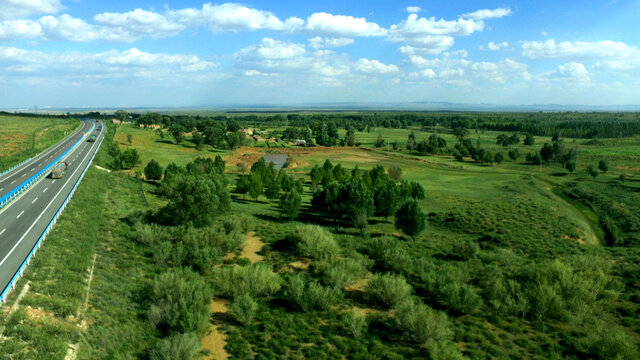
{"x": 25, "y": 219}
{"x": 17, "y": 176}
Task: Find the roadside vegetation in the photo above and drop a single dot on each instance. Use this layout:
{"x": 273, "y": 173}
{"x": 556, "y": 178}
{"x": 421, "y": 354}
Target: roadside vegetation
{"x": 387, "y": 236}
{"x": 24, "y": 136}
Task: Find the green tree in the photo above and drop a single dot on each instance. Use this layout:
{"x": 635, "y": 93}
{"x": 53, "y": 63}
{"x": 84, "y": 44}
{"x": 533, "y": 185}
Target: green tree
{"x": 411, "y": 219}
{"x": 290, "y": 204}
{"x": 395, "y": 172}
{"x": 547, "y": 152}
{"x": 411, "y": 142}
{"x": 197, "y": 139}
{"x": 255, "y": 186}
{"x": 121, "y": 115}
{"x": 177, "y": 131}
{"x": 460, "y": 133}
{"x": 386, "y": 199}
{"x": 498, "y": 158}
{"x": 129, "y": 138}
{"x": 529, "y": 140}
{"x": 195, "y": 200}
{"x": 570, "y": 166}
{"x": 379, "y": 142}
{"x": 514, "y": 154}
{"x": 153, "y": 170}
{"x": 603, "y": 165}
{"x": 130, "y": 158}
{"x": 592, "y": 171}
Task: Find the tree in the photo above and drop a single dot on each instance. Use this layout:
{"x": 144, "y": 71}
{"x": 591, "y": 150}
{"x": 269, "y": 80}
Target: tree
{"x": 411, "y": 142}
{"x": 177, "y": 131}
{"x": 130, "y": 158}
{"x": 603, "y": 165}
{"x": 570, "y": 166}
{"x": 547, "y": 152}
{"x": 197, "y": 139}
{"x": 290, "y": 204}
{"x": 379, "y": 142}
{"x": 235, "y": 139}
{"x": 498, "y": 158}
{"x": 195, "y": 199}
{"x": 529, "y": 140}
{"x": 255, "y": 186}
{"x": 514, "y": 154}
{"x": 460, "y": 133}
{"x": 121, "y": 115}
{"x": 219, "y": 164}
{"x": 386, "y": 199}
{"x": 592, "y": 171}
{"x": 411, "y": 219}
{"x": 243, "y": 185}
{"x": 153, "y": 170}
{"x": 129, "y": 138}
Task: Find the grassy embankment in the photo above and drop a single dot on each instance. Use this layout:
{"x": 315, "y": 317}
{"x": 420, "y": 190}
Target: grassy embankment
{"x": 23, "y": 137}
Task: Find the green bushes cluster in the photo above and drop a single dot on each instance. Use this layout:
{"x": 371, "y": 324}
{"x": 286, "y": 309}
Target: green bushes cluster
{"x": 180, "y": 302}
{"x": 244, "y": 309}
{"x": 254, "y": 280}
{"x": 314, "y": 241}
{"x": 388, "y": 289}
{"x": 176, "y": 347}
{"x": 309, "y": 295}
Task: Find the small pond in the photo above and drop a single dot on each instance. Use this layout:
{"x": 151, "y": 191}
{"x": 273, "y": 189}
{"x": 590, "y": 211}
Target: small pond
{"x": 277, "y": 159}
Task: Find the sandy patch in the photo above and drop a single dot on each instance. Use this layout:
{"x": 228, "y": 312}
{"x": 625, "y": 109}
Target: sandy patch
{"x": 216, "y": 340}
{"x": 359, "y": 285}
{"x": 300, "y": 265}
{"x": 578, "y": 240}
{"x": 252, "y": 248}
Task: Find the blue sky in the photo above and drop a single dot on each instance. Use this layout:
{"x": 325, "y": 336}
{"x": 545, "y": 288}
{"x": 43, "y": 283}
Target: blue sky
{"x": 82, "y": 53}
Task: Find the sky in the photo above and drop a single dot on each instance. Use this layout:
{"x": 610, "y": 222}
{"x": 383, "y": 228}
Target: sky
{"x": 89, "y": 53}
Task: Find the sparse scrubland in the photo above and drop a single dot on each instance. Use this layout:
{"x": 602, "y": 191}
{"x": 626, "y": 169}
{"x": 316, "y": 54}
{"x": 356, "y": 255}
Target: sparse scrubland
{"x": 402, "y": 236}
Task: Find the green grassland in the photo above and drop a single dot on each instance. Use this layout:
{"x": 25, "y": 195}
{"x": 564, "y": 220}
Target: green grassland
{"x": 23, "y": 137}
{"x": 519, "y": 215}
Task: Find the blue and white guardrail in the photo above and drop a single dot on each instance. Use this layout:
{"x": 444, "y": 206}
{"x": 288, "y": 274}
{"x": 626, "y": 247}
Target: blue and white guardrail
{"x": 18, "y": 274}
{"x": 30, "y": 181}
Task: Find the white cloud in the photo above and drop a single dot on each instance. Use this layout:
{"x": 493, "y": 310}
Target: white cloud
{"x": 487, "y": 14}
{"x": 141, "y": 22}
{"x": 107, "y": 64}
{"x": 572, "y": 71}
{"x": 574, "y": 50}
{"x": 497, "y": 46}
{"x": 319, "y": 42}
{"x": 428, "y": 35}
{"x": 19, "y": 29}
{"x": 22, "y": 8}
{"x": 374, "y": 67}
{"x": 451, "y": 65}
{"x": 413, "y": 9}
{"x": 342, "y": 26}
{"x": 428, "y": 73}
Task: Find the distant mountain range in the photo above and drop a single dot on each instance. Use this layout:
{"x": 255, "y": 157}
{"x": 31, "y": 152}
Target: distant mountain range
{"x": 348, "y": 106}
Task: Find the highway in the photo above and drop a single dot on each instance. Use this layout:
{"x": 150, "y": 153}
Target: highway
{"x": 24, "y": 221}
{"x": 14, "y": 178}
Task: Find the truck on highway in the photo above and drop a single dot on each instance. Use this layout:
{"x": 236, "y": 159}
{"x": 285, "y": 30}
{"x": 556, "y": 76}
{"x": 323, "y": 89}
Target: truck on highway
{"x": 58, "y": 170}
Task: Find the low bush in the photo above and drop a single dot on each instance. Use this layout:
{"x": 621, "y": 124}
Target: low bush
{"x": 356, "y": 324}
{"x": 241, "y": 222}
{"x": 342, "y": 272}
{"x": 176, "y": 347}
{"x": 244, "y": 309}
{"x": 180, "y": 302}
{"x": 254, "y": 280}
{"x": 314, "y": 242}
{"x": 310, "y": 295}
{"x": 389, "y": 289}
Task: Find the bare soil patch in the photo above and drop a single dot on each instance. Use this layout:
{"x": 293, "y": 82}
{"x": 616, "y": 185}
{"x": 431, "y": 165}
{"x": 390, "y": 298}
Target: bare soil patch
{"x": 215, "y": 341}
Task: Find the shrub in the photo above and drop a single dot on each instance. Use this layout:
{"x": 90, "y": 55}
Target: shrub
{"x": 244, "y": 309}
{"x": 461, "y": 298}
{"x": 354, "y": 323}
{"x": 389, "y": 289}
{"x": 176, "y": 347}
{"x": 465, "y": 250}
{"x": 180, "y": 302}
{"x": 342, "y": 272}
{"x": 310, "y": 295}
{"x": 315, "y": 242}
{"x": 153, "y": 170}
{"x": 411, "y": 219}
{"x": 254, "y": 280}
{"x": 422, "y": 324}
{"x": 239, "y": 222}
{"x": 395, "y": 172}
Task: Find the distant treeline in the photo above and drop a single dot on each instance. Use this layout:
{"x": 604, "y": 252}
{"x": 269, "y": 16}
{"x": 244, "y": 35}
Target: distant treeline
{"x": 565, "y": 124}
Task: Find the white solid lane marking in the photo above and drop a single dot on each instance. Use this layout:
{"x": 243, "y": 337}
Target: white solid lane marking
{"x": 2, "y": 231}
{"x": 45, "y": 189}
{"x": 20, "y": 214}
{"x": 42, "y": 213}
{"x": 13, "y": 182}
{"x": 34, "y": 200}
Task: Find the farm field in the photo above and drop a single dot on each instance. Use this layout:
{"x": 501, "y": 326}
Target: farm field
{"x": 22, "y": 137}
{"x": 516, "y": 261}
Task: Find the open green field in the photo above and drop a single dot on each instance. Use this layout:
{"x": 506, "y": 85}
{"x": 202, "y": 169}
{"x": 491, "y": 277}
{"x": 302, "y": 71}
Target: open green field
{"x": 23, "y": 137}
{"x": 532, "y": 228}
